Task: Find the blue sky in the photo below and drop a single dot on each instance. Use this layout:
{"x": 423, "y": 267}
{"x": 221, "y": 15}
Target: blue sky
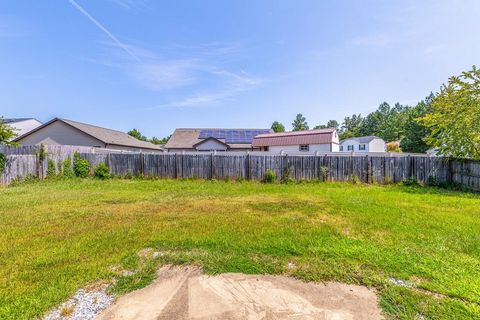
{"x": 158, "y": 65}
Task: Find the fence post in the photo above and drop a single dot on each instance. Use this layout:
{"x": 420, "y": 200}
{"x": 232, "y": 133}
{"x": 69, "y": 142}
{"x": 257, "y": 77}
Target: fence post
{"x": 177, "y": 160}
{"x": 109, "y": 164}
{"x": 327, "y": 176}
{"x": 450, "y": 170}
{"x": 248, "y": 169}
{"x": 409, "y": 166}
{"x": 367, "y": 159}
{"x": 142, "y": 164}
{"x": 37, "y": 165}
{"x": 212, "y": 166}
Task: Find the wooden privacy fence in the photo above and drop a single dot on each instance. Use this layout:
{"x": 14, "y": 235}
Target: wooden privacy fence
{"x": 362, "y": 168}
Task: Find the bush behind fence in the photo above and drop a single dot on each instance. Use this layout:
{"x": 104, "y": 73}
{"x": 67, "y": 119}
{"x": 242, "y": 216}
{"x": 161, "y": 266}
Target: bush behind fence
{"x": 361, "y": 168}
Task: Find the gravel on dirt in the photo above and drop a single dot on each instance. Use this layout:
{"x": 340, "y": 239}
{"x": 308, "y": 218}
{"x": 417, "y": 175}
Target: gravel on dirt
{"x": 84, "y": 305}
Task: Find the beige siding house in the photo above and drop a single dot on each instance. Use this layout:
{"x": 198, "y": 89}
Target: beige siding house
{"x": 68, "y": 132}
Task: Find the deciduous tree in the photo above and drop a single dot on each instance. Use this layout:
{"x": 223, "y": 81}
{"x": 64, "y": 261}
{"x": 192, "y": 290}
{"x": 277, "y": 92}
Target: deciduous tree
{"x": 7, "y": 133}
{"x": 277, "y": 127}
{"x": 454, "y": 117}
{"x": 415, "y": 132}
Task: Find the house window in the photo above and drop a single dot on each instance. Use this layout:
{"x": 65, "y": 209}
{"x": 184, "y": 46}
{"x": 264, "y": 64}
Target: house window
{"x": 341, "y": 148}
{"x": 362, "y": 147}
{"x": 303, "y": 147}
{"x": 350, "y": 148}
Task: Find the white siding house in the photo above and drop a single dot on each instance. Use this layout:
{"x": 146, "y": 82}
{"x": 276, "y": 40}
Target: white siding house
{"x": 363, "y": 144}
{"x": 310, "y": 141}
{"x": 22, "y": 125}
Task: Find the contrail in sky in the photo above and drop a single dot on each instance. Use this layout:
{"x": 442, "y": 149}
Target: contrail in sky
{"x": 105, "y": 30}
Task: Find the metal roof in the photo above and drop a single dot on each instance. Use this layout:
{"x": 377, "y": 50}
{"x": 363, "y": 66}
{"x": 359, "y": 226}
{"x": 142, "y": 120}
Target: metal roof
{"x": 13, "y": 120}
{"x": 318, "y": 136}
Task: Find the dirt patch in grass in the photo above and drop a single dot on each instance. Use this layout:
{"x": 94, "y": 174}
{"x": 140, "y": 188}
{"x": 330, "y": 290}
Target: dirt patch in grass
{"x": 187, "y": 293}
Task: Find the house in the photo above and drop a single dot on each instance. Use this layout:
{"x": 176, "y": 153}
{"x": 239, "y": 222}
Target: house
{"x": 198, "y": 139}
{"x": 22, "y": 125}
{"x": 363, "y": 144}
{"x": 320, "y": 140}
{"x": 432, "y": 152}
{"x": 67, "y": 132}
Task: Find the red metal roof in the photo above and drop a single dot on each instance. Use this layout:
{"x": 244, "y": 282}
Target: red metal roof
{"x": 319, "y": 136}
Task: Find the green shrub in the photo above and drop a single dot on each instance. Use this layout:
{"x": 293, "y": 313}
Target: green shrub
{"x": 324, "y": 171}
{"x": 42, "y": 154}
{"x": 67, "y": 171}
{"x": 388, "y": 180}
{"x": 29, "y": 179}
{"x": 432, "y": 181}
{"x": 102, "y": 171}
{"x": 3, "y": 162}
{"x": 287, "y": 176}
{"x": 411, "y": 182}
{"x": 81, "y": 167}
{"x": 270, "y": 176}
{"x": 51, "y": 169}
{"x": 355, "y": 179}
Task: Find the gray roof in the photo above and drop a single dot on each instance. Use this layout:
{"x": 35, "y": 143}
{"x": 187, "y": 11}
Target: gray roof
{"x": 107, "y": 136}
{"x": 366, "y": 139}
{"x": 187, "y": 138}
{"x": 12, "y": 120}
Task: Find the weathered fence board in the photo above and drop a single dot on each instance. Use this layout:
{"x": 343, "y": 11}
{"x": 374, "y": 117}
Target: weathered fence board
{"x": 159, "y": 165}
{"x": 253, "y": 166}
{"x": 18, "y": 167}
{"x": 125, "y": 164}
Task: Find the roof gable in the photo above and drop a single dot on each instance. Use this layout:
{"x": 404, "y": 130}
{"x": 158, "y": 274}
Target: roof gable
{"x": 107, "y": 136}
{"x": 211, "y": 139}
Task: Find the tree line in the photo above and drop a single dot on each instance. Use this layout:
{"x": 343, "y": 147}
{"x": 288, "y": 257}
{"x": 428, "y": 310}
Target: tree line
{"x": 448, "y": 121}
{"x": 137, "y": 134}
{"x": 391, "y": 123}
{"x": 397, "y": 123}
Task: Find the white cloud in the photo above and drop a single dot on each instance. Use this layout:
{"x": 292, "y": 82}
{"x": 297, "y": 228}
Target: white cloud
{"x": 373, "y": 40}
{"x": 131, "y": 4}
{"x": 164, "y": 75}
{"x": 233, "y": 85}
{"x": 104, "y": 30}
{"x": 157, "y": 73}
{"x": 198, "y": 100}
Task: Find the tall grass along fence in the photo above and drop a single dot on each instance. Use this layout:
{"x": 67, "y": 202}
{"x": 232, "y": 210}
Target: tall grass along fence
{"x": 329, "y": 167}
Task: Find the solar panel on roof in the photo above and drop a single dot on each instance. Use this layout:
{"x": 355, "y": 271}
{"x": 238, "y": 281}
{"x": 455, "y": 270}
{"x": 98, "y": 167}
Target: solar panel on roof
{"x": 232, "y": 136}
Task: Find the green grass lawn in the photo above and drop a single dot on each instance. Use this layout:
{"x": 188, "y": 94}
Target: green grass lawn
{"x": 56, "y": 237}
